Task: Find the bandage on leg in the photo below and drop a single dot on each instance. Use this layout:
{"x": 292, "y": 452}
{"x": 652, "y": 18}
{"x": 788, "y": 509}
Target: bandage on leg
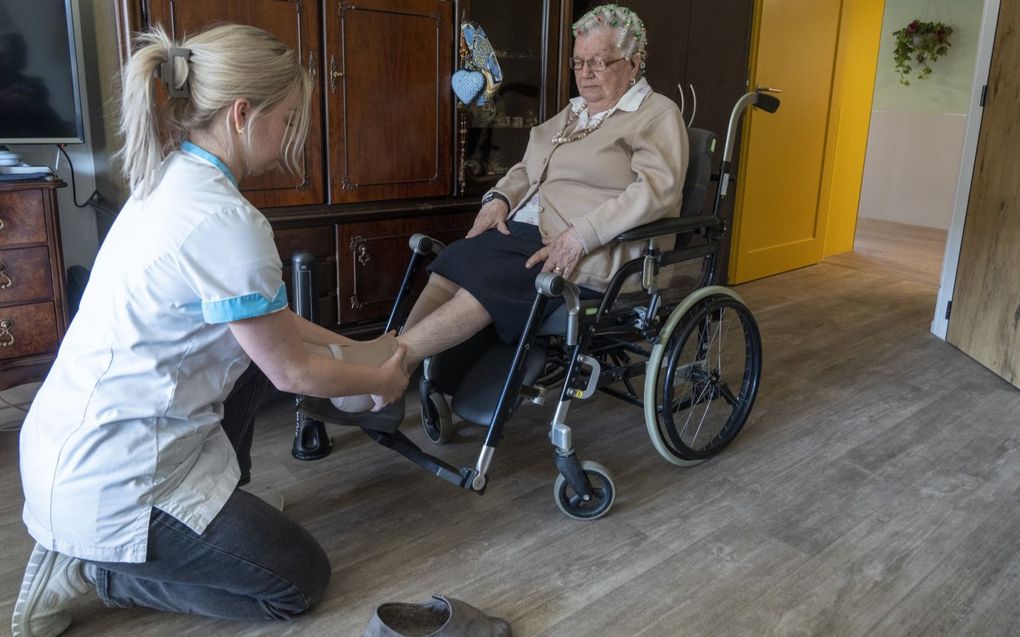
{"x": 367, "y": 353}
{"x": 437, "y": 292}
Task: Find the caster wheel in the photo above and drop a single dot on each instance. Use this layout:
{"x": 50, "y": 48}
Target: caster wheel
{"x": 574, "y": 506}
{"x": 436, "y": 419}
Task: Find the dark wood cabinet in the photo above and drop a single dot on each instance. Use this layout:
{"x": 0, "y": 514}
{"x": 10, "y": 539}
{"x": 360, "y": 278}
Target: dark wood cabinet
{"x": 33, "y": 302}
{"x": 295, "y": 23}
{"x": 373, "y": 257}
{"x": 527, "y": 39}
{"x": 388, "y": 99}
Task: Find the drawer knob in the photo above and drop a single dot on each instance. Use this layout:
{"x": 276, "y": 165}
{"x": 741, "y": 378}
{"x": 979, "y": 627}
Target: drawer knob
{"x": 6, "y": 333}
{"x": 5, "y": 281}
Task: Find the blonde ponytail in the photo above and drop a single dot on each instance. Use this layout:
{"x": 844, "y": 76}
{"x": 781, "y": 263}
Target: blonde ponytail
{"x": 142, "y": 152}
{"x": 222, "y": 64}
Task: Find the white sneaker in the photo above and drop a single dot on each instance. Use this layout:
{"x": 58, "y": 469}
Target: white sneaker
{"x": 52, "y": 581}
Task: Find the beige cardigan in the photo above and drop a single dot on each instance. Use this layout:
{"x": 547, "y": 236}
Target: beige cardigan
{"x": 626, "y": 173}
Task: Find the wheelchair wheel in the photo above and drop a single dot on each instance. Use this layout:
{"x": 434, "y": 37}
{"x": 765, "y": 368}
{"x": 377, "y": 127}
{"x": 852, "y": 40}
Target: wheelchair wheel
{"x": 704, "y": 377}
{"x": 573, "y": 506}
{"x": 436, "y": 419}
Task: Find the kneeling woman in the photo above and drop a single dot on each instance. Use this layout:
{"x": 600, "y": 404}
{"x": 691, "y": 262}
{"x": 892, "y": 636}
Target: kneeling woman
{"x": 133, "y": 451}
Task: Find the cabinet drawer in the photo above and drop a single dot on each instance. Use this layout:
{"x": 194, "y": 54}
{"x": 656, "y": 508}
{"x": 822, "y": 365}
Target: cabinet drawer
{"x": 25, "y": 275}
{"x": 21, "y": 217}
{"x": 318, "y": 240}
{"x": 373, "y": 256}
{"x": 27, "y": 330}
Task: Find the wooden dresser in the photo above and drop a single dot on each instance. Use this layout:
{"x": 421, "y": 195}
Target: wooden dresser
{"x": 33, "y": 301}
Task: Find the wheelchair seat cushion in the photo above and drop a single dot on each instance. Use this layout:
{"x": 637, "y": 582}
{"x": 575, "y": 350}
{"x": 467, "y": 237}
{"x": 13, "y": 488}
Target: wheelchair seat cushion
{"x": 478, "y": 394}
{"x": 556, "y": 323}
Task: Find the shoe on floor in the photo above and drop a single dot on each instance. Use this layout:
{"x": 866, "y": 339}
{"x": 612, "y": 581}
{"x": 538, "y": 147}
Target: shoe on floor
{"x": 438, "y": 617}
{"x": 52, "y": 581}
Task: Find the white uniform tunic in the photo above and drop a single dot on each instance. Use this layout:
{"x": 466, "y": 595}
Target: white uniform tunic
{"x": 129, "y": 416}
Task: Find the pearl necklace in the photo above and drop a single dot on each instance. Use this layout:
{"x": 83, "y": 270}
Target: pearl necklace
{"x": 572, "y": 117}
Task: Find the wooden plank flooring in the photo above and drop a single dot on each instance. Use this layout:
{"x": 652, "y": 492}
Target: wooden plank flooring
{"x": 873, "y": 492}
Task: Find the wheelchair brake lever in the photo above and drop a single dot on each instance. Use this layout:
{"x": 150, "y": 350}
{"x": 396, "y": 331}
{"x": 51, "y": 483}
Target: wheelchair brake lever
{"x": 593, "y": 378}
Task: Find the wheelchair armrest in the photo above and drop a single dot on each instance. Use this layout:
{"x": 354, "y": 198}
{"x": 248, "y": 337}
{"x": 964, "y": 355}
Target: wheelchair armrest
{"x": 672, "y": 225}
{"x": 423, "y": 244}
{"x": 551, "y": 285}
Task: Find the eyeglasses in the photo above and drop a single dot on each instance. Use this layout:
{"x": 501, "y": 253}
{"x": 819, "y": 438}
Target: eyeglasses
{"x": 597, "y": 64}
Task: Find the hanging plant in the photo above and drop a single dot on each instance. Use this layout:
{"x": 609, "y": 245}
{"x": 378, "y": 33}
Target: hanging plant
{"x": 920, "y": 43}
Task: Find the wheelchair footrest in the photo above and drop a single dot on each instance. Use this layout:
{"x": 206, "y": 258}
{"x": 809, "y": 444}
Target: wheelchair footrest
{"x": 387, "y": 419}
{"x": 400, "y": 443}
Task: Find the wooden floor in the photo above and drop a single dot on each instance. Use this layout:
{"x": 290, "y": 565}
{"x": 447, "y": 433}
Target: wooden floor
{"x": 908, "y": 252}
{"x": 874, "y": 491}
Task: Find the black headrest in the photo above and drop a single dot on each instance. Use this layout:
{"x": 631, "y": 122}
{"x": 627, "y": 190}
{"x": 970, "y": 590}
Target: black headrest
{"x": 699, "y": 171}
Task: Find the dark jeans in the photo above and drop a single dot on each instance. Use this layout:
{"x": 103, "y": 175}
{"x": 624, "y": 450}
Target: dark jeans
{"x": 252, "y": 561}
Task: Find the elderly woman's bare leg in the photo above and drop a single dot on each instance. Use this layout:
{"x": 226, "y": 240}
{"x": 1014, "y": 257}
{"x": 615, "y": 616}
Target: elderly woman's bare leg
{"x": 450, "y": 324}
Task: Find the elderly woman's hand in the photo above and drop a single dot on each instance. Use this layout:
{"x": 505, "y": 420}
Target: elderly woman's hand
{"x": 561, "y": 255}
{"x": 492, "y": 215}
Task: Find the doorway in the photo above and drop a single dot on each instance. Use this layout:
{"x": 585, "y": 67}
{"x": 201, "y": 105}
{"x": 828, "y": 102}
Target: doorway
{"x": 915, "y": 146}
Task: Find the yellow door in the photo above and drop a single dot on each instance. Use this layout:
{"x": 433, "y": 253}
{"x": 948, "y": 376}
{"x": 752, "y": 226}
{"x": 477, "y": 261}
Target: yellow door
{"x": 784, "y": 189}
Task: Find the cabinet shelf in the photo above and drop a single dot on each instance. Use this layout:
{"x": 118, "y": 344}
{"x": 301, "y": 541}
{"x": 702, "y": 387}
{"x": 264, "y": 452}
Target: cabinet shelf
{"x": 500, "y": 126}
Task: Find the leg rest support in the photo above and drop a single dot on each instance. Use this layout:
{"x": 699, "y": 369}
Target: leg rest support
{"x": 400, "y": 443}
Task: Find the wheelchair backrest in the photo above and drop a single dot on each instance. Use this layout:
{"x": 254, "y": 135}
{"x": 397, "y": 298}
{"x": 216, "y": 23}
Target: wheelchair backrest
{"x": 699, "y": 172}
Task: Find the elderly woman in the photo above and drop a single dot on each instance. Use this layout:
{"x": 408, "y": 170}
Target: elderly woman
{"x": 614, "y": 159}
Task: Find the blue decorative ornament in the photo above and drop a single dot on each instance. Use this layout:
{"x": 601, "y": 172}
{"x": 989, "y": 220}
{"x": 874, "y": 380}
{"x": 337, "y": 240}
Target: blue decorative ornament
{"x": 467, "y": 85}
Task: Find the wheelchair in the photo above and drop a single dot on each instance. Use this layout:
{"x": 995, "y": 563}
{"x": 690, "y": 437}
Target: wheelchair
{"x": 696, "y": 345}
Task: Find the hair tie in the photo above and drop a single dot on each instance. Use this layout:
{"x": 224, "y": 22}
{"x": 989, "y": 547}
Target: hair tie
{"x": 166, "y": 72}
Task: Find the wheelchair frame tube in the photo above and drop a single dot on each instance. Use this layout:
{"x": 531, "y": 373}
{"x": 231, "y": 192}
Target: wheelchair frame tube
{"x": 512, "y": 385}
{"x": 669, "y": 257}
{"x": 420, "y": 245}
{"x": 400, "y": 310}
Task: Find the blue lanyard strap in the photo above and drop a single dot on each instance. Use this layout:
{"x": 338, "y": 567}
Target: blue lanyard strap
{"x": 198, "y": 151}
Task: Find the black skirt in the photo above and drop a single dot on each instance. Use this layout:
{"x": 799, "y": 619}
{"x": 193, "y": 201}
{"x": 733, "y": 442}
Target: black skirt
{"x": 491, "y": 267}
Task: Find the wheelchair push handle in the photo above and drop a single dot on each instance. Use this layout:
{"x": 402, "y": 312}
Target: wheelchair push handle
{"x": 760, "y": 98}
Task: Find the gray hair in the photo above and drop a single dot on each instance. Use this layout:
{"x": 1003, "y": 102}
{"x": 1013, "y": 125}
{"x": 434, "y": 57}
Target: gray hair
{"x": 225, "y": 63}
{"x": 630, "y": 36}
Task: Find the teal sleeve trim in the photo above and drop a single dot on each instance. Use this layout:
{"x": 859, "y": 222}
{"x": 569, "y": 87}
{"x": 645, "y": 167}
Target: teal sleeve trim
{"x": 243, "y": 307}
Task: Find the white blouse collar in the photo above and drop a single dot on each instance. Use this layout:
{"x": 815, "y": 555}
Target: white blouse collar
{"x": 630, "y": 102}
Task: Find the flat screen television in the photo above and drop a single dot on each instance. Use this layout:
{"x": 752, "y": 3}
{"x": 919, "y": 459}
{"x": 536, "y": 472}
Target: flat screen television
{"x": 39, "y": 98}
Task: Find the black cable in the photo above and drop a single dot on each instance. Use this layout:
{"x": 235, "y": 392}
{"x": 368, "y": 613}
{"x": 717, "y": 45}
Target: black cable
{"x": 74, "y": 187}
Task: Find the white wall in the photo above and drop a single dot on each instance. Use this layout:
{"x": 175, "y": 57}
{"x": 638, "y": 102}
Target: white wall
{"x": 910, "y": 167}
{"x": 916, "y": 137}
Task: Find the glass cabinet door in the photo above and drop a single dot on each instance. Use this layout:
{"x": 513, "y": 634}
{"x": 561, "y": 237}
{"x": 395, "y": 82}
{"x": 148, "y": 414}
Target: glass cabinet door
{"x": 525, "y": 37}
